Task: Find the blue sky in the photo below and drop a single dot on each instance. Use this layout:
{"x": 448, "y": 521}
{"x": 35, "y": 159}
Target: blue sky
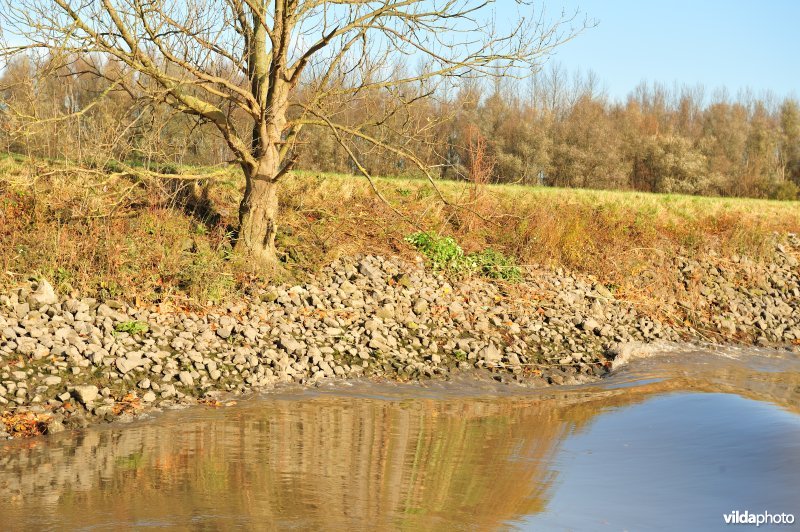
{"x": 736, "y": 44}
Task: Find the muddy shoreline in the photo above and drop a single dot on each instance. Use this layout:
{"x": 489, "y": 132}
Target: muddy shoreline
{"x": 66, "y": 362}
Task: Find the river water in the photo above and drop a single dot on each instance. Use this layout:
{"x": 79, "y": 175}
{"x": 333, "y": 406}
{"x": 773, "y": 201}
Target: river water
{"x": 670, "y": 442}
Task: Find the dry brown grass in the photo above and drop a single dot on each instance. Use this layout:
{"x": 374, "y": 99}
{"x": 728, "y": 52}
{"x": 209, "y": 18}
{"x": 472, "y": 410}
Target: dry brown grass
{"x": 130, "y": 239}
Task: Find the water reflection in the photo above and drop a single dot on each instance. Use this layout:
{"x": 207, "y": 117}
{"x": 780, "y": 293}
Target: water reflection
{"x": 325, "y": 462}
{"x": 342, "y": 460}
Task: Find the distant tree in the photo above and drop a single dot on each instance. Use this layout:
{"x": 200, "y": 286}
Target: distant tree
{"x": 671, "y": 164}
{"x": 790, "y": 140}
{"x": 586, "y": 149}
{"x": 724, "y": 141}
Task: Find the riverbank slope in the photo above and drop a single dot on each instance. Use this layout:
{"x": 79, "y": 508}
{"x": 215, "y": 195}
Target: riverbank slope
{"x": 141, "y": 305}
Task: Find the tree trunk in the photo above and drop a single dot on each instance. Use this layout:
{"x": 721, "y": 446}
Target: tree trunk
{"x": 258, "y": 211}
{"x": 258, "y": 214}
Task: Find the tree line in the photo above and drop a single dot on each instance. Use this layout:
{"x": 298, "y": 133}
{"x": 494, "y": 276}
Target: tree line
{"x": 555, "y": 128}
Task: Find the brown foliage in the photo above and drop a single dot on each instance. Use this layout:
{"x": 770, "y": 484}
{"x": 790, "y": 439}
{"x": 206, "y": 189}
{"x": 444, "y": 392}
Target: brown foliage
{"x": 25, "y": 424}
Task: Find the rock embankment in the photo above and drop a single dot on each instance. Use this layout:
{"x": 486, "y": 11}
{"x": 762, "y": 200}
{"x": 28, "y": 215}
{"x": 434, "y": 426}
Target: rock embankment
{"x": 67, "y": 361}
{"x": 735, "y": 299}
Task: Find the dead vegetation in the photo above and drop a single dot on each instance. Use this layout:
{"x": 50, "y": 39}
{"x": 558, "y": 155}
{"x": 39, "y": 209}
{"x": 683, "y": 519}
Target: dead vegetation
{"x": 25, "y": 424}
{"x": 156, "y": 238}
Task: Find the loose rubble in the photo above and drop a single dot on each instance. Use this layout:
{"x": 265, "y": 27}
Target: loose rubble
{"x": 71, "y": 361}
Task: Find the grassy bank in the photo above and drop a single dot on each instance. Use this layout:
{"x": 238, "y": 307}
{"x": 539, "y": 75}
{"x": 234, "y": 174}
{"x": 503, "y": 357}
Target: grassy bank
{"x": 160, "y": 239}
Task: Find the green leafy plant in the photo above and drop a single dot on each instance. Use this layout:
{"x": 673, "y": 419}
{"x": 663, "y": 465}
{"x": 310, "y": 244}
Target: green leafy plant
{"x": 131, "y": 327}
{"x": 445, "y": 254}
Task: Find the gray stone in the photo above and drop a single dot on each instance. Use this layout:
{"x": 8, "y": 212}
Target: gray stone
{"x": 85, "y": 394}
{"x": 381, "y": 329}
{"x": 43, "y": 295}
{"x": 334, "y": 331}
{"x": 130, "y": 362}
{"x": 52, "y": 380}
{"x": 370, "y": 272}
{"x": 491, "y": 354}
{"x": 602, "y": 291}
{"x": 225, "y": 332}
{"x": 104, "y": 411}
{"x": 250, "y": 333}
{"x": 606, "y": 331}
{"x": 26, "y": 346}
{"x": 22, "y": 309}
{"x": 420, "y": 307}
{"x": 186, "y": 378}
{"x": 590, "y": 325}
{"x": 83, "y": 316}
{"x": 378, "y": 343}
{"x": 290, "y": 344}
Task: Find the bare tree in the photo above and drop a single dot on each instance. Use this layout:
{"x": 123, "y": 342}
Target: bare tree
{"x": 286, "y": 65}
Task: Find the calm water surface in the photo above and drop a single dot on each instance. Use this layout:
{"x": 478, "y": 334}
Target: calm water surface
{"x": 671, "y": 442}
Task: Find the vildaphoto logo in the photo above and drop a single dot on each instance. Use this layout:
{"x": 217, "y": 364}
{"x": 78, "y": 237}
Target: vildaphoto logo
{"x": 765, "y": 518}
